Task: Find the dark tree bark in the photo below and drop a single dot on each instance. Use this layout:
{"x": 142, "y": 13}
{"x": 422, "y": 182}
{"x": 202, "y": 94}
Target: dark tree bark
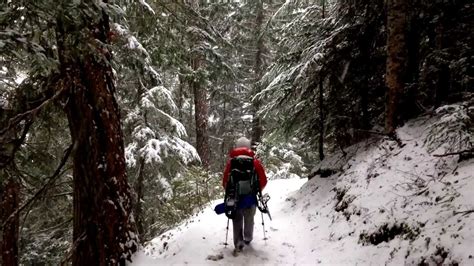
{"x": 180, "y": 99}
{"x": 360, "y": 118}
{"x": 103, "y": 225}
{"x": 104, "y": 231}
{"x": 321, "y": 120}
{"x": 442, "y": 85}
{"x": 11, "y": 139}
{"x": 9, "y": 204}
{"x": 257, "y": 128}
{"x": 201, "y": 104}
{"x": 223, "y": 129}
{"x": 201, "y": 109}
{"x": 138, "y": 205}
{"x": 396, "y": 60}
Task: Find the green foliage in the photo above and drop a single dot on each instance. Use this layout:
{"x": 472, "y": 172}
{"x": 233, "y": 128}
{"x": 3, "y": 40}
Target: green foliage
{"x": 47, "y": 240}
{"x": 319, "y": 51}
{"x": 187, "y": 193}
{"x": 46, "y": 225}
{"x": 285, "y": 159}
{"x": 342, "y": 52}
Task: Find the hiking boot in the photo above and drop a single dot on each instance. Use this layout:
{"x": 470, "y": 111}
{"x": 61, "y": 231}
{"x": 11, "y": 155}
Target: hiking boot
{"x": 247, "y": 242}
{"x": 236, "y": 252}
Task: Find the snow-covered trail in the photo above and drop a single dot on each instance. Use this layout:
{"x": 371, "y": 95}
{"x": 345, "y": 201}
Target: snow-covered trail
{"x": 204, "y": 235}
{"x": 387, "y": 205}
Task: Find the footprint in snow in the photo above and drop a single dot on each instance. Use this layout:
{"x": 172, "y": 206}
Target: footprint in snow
{"x": 215, "y": 257}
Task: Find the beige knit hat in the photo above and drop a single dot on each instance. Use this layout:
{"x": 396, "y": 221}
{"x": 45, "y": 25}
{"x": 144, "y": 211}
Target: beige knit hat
{"x": 243, "y": 142}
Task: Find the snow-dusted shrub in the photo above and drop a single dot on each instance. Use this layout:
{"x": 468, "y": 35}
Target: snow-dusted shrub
{"x": 47, "y": 247}
{"x": 282, "y": 159}
{"x": 453, "y": 131}
{"x": 180, "y": 198}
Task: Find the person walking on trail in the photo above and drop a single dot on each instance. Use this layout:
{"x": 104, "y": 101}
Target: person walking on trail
{"x": 244, "y": 177}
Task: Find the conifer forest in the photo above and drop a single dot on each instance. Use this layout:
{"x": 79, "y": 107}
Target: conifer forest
{"x": 117, "y": 118}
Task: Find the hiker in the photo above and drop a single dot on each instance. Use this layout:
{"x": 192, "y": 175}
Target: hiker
{"x": 244, "y": 177}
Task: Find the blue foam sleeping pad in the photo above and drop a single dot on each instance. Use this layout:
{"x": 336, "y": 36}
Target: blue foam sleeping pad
{"x": 244, "y": 203}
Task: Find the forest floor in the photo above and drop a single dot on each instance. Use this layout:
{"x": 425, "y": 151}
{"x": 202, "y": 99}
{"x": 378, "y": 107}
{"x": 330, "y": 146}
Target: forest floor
{"x": 387, "y": 204}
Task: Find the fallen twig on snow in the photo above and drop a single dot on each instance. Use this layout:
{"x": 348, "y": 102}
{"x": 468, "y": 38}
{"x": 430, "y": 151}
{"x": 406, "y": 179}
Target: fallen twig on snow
{"x": 454, "y": 153}
{"x": 464, "y": 213}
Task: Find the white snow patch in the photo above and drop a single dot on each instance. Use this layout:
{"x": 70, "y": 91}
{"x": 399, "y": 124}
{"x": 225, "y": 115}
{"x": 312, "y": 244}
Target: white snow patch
{"x": 247, "y": 118}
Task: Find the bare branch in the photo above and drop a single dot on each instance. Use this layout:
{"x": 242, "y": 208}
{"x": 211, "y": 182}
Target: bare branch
{"x": 50, "y": 181}
{"x": 454, "y": 153}
{"x": 54, "y": 226}
{"x": 370, "y": 132}
{"x": 32, "y": 112}
{"x": 17, "y": 143}
{"x": 464, "y": 213}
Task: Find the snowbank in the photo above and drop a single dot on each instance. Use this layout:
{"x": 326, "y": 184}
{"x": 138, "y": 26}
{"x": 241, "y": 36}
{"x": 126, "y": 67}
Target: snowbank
{"x": 393, "y": 205}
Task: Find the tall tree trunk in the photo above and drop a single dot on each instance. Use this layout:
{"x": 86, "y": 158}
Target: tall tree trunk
{"x": 138, "y": 205}
{"x": 104, "y": 231}
{"x": 180, "y": 99}
{"x": 396, "y": 59}
{"x": 361, "y": 117}
{"x": 9, "y": 204}
{"x": 103, "y": 225}
{"x": 321, "y": 120}
{"x": 321, "y": 102}
{"x": 224, "y": 136}
{"x": 443, "y": 77}
{"x": 257, "y": 129}
{"x": 201, "y": 108}
{"x": 201, "y": 105}
{"x": 10, "y": 142}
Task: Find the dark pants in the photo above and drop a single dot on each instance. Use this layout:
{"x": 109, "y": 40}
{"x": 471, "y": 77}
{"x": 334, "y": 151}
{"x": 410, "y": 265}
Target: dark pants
{"x": 243, "y": 225}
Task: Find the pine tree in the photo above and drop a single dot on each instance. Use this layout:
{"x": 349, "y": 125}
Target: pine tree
{"x": 396, "y": 61}
{"x": 104, "y": 231}
{"x": 74, "y": 66}
{"x": 201, "y": 110}
{"x": 257, "y": 130}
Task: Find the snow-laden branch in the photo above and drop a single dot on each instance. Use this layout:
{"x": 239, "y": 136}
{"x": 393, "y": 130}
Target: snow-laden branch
{"x": 147, "y": 6}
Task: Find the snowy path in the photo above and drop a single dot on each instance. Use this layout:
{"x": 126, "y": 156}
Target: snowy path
{"x": 204, "y": 235}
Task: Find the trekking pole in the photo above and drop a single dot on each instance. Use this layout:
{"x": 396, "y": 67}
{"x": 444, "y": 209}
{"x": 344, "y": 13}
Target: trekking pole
{"x": 263, "y": 225}
{"x": 227, "y": 232}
